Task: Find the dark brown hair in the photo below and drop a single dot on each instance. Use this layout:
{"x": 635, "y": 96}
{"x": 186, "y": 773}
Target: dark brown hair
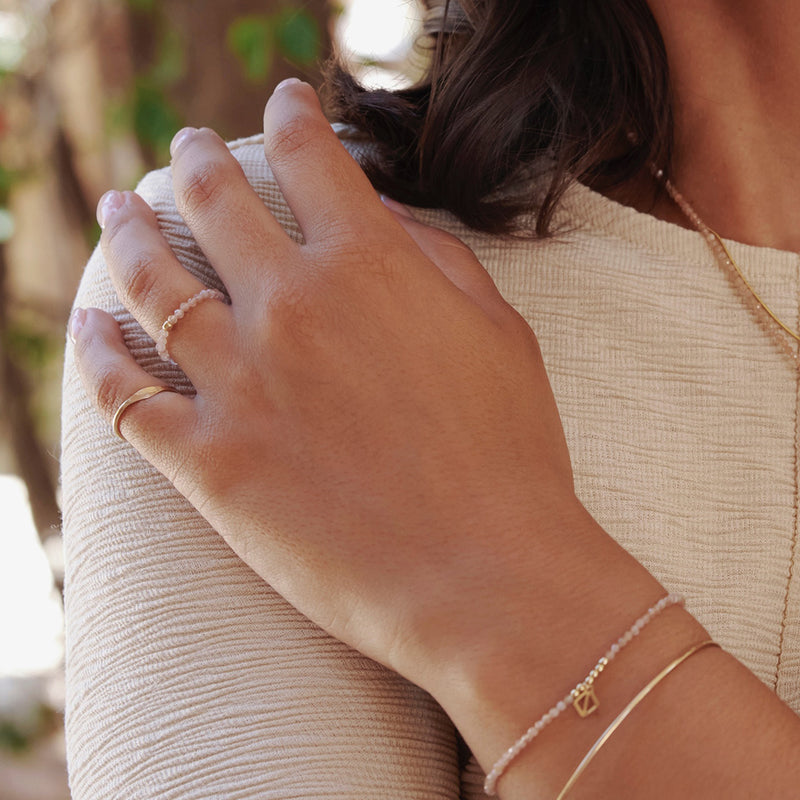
{"x": 559, "y": 90}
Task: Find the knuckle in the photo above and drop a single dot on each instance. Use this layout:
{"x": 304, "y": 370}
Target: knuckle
{"x": 106, "y": 389}
{"x": 140, "y": 279}
{"x": 383, "y": 265}
{"x": 365, "y": 256}
{"x": 83, "y": 346}
{"x": 292, "y": 315}
{"x": 291, "y": 136}
{"x": 219, "y": 441}
{"x": 205, "y": 183}
{"x": 113, "y": 229}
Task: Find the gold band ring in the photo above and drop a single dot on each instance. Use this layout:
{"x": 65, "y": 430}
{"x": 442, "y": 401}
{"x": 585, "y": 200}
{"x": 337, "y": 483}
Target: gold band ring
{"x": 143, "y": 394}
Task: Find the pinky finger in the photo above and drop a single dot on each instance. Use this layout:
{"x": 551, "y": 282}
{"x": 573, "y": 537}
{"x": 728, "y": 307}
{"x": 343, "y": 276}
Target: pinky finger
{"x": 157, "y": 427}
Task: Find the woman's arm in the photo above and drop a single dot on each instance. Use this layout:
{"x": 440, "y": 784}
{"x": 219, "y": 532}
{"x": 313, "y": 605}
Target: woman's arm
{"x": 187, "y": 675}
{"x": 374, "y": 433}
{"x": 710, "y": 729}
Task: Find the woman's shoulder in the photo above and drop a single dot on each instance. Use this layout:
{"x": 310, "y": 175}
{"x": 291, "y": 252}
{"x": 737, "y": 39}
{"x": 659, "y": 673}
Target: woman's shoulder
{"x": 585, "y": 223}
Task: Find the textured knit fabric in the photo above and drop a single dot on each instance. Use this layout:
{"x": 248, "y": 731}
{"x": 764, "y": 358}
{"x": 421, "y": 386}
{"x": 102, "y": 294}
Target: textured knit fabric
{"x": 188, "y": 677}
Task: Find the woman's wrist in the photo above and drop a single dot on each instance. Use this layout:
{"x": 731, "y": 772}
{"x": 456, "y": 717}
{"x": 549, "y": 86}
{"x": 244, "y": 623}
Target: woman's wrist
{"x": 534, "y": 633}
{"x": 502, "y": 707}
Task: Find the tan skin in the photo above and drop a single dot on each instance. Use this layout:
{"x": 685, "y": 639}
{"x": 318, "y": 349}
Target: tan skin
{"x": 735, "y": 71}
{"x": 375, "y": 420}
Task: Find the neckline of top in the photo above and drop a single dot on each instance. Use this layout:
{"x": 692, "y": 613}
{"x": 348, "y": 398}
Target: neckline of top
{"x": 583, "y": 209}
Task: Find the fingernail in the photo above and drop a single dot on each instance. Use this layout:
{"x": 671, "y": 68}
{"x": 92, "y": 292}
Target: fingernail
{"x": 398, "y": 208}
{"x": 109, "y": 203}
{"x": 210, "y": 132}
{"x": 76, "y": 322}
{"x": 287, "y": 82}
{"x": 180, "y": 138}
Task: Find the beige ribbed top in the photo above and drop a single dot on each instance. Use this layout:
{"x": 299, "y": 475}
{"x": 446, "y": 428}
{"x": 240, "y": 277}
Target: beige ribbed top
{"x": 188, "y": 677}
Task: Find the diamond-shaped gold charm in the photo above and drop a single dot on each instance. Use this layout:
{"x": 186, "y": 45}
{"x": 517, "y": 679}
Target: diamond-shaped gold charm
{"x": 586, "y": 701}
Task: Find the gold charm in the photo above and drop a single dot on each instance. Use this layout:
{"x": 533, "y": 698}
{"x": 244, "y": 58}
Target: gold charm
{"x": 585, "y": 700}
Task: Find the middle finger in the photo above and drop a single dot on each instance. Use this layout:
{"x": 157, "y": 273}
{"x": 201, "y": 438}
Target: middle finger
{"x": 230, "y": 222}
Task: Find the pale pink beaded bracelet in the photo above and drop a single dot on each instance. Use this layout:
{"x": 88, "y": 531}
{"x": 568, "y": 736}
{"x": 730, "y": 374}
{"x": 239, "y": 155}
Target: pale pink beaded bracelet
{"x": 582, "y": 698}
{"x": 178, "y": 314}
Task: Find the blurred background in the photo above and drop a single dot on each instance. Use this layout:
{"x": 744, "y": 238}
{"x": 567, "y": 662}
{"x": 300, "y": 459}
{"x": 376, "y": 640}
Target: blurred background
{"x": 91, "y": 93}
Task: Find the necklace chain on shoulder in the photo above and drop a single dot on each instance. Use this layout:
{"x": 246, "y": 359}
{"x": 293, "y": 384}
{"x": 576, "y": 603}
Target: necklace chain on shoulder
{"x": 726, "y": 260}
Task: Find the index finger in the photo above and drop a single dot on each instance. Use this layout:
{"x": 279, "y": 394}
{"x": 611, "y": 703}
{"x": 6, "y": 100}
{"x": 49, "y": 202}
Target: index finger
{"x": 322, "y": 183}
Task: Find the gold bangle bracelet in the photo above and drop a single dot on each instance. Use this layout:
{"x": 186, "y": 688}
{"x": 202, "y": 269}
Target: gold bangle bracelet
{"x": 609, "y": 731}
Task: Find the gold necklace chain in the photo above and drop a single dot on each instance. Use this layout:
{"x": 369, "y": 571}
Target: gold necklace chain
{"x": 724, "y": 256}
{"x": 760, "y": 308}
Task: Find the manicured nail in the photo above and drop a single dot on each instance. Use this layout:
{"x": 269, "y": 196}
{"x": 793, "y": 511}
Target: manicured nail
{"x": 76, "y": 322}
{"x": 210, "y": 132}
{"x": 109, "y": 203}
{"x": 398, "y": 208}
{"x": 180, "y": 138}
{"x": 287, "y": 82}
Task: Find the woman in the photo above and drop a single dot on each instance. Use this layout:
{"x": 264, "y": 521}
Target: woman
{"x": 374, "y": 432}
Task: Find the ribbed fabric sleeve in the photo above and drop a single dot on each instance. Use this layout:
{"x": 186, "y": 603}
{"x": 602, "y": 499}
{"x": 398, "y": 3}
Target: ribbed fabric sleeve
{"x": 188, "y": 677}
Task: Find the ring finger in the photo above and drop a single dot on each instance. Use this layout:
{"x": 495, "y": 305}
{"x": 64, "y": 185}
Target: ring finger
{"x": 157, "y": 427}
{"x": 153, "y": 285}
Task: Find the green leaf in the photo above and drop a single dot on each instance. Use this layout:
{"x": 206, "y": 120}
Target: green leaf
{"x": 6, "y": 225}
{"x": 298, "y": 36}
{"x": 170, "y": 65}
{"x": 28, "y": 346}
{"x": 119, "y": 116}
{"x": 12, "y": 739}
{"x": 251, "y": 40}
{"x": 155, "y": 120}
{"x": 7, "y": 180}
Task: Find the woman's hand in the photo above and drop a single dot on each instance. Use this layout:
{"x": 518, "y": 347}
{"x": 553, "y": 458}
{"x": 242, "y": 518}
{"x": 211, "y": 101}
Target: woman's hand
{"x": 372, "y": 419}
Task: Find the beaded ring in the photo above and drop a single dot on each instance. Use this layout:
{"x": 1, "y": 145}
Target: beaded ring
{"x": 178, "y": 314}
